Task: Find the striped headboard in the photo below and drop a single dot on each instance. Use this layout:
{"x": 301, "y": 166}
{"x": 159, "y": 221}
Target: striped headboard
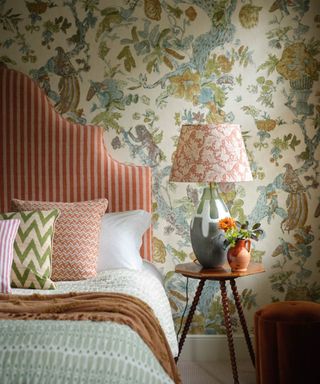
{"x": 45, "y": 157}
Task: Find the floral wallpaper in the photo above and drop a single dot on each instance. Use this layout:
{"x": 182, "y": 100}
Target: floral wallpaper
{"x": 142, "y": 68}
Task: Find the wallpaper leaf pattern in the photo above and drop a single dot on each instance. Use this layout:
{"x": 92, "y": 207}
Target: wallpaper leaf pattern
{"x": 142, "y": 68}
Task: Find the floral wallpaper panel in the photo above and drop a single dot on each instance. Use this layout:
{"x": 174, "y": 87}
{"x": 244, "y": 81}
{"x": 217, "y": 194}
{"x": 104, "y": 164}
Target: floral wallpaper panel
{"x": 142, "y": 68}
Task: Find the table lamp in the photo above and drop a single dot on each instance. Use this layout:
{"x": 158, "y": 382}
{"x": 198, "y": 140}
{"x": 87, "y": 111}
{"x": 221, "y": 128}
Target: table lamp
{"x": 211, "y": 153}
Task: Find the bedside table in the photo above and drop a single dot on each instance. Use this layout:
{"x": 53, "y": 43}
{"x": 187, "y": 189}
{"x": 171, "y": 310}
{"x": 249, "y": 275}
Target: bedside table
{"x": 196, "y": 271}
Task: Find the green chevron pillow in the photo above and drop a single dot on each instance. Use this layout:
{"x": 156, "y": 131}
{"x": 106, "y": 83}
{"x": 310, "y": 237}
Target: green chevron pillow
{"x": 31, "y": 267}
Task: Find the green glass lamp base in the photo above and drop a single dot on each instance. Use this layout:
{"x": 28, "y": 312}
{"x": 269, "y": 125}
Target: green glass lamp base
{"x": 206, "y": 238}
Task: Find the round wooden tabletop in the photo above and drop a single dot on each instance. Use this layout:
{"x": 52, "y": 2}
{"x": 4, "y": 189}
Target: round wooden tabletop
{"x": 196, "y": 271}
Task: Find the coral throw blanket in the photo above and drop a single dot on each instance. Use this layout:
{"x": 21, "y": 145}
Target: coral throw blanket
{"x": 120, "y": 308}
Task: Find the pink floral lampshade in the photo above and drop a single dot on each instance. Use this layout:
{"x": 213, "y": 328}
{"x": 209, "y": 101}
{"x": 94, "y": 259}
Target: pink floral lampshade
{"x": 210, "y": 153}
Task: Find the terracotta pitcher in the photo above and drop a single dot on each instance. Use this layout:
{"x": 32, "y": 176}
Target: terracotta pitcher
{"x": 239, "y": 255}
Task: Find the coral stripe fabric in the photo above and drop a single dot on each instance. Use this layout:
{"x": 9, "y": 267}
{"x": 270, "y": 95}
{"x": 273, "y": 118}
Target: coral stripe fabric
{"x": 8, "y": 231}
{"x": 46, "y": 157}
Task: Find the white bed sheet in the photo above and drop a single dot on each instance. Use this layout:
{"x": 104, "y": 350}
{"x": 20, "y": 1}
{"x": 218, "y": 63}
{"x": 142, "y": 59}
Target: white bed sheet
{"x": 149, "y": 267}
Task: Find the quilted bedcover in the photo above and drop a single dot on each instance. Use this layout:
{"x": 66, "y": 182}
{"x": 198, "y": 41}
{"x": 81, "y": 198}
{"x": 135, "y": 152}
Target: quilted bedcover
{"x": 47, "y": 351}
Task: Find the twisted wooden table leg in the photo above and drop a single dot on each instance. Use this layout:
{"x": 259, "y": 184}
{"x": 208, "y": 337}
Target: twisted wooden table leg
{"x": 190, "y": 316}
{"x": 227, "y": 321}
{"x": 242, "y": 319}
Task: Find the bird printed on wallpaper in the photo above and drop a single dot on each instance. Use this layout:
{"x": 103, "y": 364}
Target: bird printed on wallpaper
{"x": 297, "y": 204}
{"x": 68, "y": 86}
{"x": 146, "y": 140}
{"x": 291, "y": 181}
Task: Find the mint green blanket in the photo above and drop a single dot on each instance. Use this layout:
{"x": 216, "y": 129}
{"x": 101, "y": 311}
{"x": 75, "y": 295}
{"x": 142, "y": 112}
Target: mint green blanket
{"x": 62, "y": 352}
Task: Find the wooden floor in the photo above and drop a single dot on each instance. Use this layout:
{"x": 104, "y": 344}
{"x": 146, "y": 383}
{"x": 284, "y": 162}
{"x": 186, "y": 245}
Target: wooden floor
{"x": 215, "y": 373}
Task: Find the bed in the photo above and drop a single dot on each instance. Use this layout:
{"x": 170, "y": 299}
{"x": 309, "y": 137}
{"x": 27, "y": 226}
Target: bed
{"x": 46, "y": 158}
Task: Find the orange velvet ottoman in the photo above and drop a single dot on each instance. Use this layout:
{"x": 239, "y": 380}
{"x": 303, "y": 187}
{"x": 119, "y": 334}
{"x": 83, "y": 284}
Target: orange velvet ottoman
{"x": 287, "y": 339}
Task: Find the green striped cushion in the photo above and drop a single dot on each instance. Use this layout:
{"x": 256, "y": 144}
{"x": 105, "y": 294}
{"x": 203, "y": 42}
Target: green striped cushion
{"x": 31, "y": 267}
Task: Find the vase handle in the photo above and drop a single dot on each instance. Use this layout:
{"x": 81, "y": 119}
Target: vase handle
{"x": 248, "y": 244}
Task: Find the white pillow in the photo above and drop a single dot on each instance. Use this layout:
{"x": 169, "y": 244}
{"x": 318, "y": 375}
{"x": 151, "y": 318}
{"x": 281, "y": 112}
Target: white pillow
{"x": 121, "y": 239}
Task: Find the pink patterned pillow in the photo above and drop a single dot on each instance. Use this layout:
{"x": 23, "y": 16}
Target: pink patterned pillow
{"x": 8, "y": 231}
{"x": 76, "y": 237}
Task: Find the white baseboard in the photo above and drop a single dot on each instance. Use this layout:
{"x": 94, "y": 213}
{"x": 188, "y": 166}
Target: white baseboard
{"x": 213, "y": 348}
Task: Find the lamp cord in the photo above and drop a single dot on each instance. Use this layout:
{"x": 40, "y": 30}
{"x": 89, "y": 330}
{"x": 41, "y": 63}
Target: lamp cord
{"x": 186, "y": 306}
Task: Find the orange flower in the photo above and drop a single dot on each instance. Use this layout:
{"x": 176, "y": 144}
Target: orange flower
{"x": 227, "y": 223}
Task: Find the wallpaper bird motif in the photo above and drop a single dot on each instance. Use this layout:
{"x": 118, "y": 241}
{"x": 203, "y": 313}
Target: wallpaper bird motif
{"x": 142, "y": 68}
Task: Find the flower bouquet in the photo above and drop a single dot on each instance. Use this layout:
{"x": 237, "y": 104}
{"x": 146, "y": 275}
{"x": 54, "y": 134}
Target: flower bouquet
{"x": 238, "y": 238}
